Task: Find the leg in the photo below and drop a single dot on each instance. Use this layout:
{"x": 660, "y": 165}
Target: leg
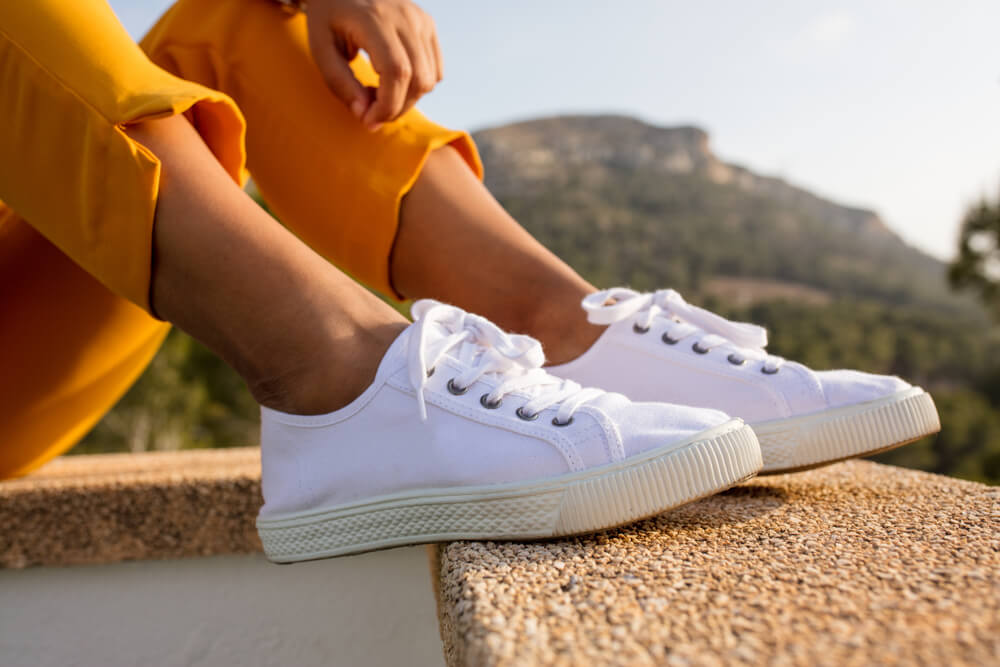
{"x": 348, "y": 209}
{"x": 220, "y": 263}
{"x": 74, "y": 283}
{"x": 865, "y": 413}
{"x": 456, "y": 243}
{"x": 412, "y": 172}
{"x": 231, "y": 276}
{"x": 151, "y": 209}
{"x": 333, "y": 183}
{"x": 88, "y": 168}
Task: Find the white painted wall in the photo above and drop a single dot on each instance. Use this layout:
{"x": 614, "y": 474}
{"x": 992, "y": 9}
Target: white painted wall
{"x": 373, "y": 609}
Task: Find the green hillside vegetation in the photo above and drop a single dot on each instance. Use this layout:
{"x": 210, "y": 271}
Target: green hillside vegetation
{"x": 628, "y": 203}
{"x": 646, "y": 232}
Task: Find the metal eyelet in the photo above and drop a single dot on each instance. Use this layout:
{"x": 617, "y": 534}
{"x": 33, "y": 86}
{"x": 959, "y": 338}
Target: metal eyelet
{"x": 525, "y": 416}
{"x": 430, "y": 371}
{"x": 639, "y": 330}
{"x": 556, "y": 422}
{"x": 699, "y": 349}
{"x": 769, "y": 371}
{"x": 484, "y": 400}
{"x": 455, "y": 389}
{"x": 735, "y": 360}
{"x": 668, "y": 340}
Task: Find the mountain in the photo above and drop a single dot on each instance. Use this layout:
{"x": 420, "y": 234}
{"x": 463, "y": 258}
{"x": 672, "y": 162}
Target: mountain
{"x": 628, "y": 202}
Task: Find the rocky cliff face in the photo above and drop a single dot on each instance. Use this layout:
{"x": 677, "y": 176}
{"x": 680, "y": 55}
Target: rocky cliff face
{"x": 625, "y": 201}
{"x": 532, "y": 155}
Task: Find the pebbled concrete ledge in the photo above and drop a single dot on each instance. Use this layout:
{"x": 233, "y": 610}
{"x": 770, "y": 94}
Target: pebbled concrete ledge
{"x": 854, "y": 564}
{"x": 112, "y": 507}
{"x": 857, "y": 563}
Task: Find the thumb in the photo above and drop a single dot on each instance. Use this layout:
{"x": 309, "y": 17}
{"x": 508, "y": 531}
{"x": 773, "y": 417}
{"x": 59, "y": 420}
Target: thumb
{"x": 337, "y": 72}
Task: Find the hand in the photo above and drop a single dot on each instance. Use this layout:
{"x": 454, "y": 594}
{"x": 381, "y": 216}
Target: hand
{"x": 400, "y": 40}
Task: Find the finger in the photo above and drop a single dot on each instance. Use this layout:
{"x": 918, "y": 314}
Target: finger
{"x": 424, "y": 76}
{"x": 337, "y": 72}
{"x": 391, "y": 62}
{"x": 438, "y": 57}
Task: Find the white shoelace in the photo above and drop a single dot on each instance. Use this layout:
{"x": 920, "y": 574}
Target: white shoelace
{"x": 515, "y": 360}
{"x": 684, "y": 320}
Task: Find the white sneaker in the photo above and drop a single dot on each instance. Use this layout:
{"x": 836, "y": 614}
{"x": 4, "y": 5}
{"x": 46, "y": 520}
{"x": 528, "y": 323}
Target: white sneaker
{"x": 503, "y": 451}
{"x": 657, "y": 347}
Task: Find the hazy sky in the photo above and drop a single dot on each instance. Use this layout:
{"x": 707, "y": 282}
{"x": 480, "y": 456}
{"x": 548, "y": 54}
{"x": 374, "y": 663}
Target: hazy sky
{"x": 891, "y": 105}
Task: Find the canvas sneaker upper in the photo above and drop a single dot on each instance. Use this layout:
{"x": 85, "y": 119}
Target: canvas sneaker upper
{"x": 659, "y": 347}
{"x": 458, "y": 402}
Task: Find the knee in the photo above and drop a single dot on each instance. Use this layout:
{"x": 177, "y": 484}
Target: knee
{"x": 223, "y": 25}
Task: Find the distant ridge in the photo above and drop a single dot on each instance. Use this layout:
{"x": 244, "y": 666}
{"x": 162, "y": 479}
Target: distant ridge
{"x": 613, "y": 179}
{"x": 526, "y": 151}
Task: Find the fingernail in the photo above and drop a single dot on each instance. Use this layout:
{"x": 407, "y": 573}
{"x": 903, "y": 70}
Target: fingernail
{"x": 357, "y": 108}
{"x": 375, "y": 127}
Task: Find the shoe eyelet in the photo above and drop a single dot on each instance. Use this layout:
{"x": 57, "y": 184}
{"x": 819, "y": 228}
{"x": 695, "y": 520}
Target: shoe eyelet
{"x": 525, "y": 416}
{"x": 735, "y": 360}
{"x": 484, "y": 400}
{"x": 769, "y": 371}
{"x": 639, "y": 330}
{"x": 455, "y": 389}
{"x": 556, "y": 422}
{"x": 668, "y": 340}
{"x": 699, "y": 349}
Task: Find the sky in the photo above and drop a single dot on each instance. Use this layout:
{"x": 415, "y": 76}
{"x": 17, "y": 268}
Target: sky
{"x": 891, "y": 105}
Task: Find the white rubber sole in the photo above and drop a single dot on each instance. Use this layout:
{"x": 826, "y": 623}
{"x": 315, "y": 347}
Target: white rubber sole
{"x": 581, "y": 502}
{"x": 800, "y": 443}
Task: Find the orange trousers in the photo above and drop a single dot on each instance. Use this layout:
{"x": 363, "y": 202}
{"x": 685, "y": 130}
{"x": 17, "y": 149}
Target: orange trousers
{"x": 75, "y": 328}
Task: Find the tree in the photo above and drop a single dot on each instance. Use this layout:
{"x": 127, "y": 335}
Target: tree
{"x": 977, "y": 266}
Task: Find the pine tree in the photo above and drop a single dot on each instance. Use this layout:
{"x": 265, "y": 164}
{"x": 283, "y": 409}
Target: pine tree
{"x": 977, "y": 266}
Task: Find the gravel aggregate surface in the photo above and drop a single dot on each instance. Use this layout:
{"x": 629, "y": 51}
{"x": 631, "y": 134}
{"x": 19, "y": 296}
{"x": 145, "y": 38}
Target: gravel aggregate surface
{"x": 105, "y": 508}
{"x": 853, "y": 564}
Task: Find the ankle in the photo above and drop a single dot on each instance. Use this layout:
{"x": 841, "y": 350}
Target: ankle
{"x": 327, "y": 378}
{"x": 562, "y": 326}
{"x": 565, "y": 344}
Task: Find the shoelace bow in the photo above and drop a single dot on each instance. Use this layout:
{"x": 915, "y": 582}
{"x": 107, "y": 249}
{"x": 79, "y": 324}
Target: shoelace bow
{"x": 484, "y": 348}
{"x": 748, "y": 340}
